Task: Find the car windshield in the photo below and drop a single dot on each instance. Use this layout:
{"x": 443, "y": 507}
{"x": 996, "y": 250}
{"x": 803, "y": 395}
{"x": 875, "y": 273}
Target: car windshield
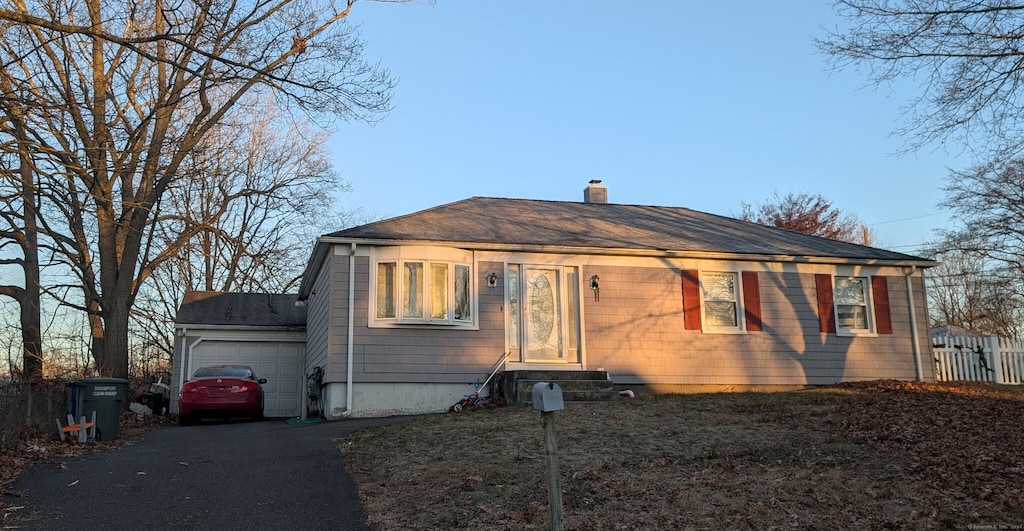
{"x": 230, "y": 372}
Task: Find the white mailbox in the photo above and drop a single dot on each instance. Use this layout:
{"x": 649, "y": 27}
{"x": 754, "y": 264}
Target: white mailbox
{"x": 547, "y": 397}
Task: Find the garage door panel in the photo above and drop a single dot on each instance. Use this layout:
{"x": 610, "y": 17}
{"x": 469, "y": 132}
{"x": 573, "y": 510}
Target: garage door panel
{"x": 280, "y": 363}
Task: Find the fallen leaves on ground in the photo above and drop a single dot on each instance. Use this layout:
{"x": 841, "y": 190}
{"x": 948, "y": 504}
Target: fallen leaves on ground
{"x": 873, "y": 455}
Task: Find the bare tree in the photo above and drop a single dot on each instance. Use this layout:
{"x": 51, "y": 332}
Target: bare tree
{"x": 19, "y": 232}
{"x": 10, "y": 344}
{"x": 986, "y": 244}
{"x": 966, "y": 55}
{"x": 987, "y": 205}
{"x": 968, "y": 291}
{"x": 810, "y": 214}
{"x": 119, "y": 93}
{"x": 261, "y": 187}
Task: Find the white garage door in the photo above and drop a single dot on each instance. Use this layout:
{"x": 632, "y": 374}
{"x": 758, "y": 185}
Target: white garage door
{"x": 281, "y": 363}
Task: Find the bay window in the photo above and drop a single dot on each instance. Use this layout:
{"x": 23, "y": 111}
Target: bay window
{"x": 422, "y": 286}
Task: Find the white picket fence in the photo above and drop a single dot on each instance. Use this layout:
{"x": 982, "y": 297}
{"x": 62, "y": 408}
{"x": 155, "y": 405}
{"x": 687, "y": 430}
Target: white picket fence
{"x": 978, "y": 359}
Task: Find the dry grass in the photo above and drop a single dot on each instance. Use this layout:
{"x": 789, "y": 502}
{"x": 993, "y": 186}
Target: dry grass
{"x": 882, "y": 455}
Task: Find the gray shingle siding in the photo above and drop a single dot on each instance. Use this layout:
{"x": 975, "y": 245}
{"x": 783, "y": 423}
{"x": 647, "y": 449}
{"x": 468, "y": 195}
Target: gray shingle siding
{"x": 641, "y": 340}
{"x": 318, "y": 308}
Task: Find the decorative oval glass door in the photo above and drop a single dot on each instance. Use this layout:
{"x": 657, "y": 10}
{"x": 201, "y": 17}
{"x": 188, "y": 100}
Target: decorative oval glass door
{"x": 542, "y": 315}
{"x": 542, "y": 322}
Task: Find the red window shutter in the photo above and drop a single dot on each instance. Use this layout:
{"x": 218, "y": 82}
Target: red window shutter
{"x": 752, "y": 301}
{"x": 826, "y": 304}
{"x": 691, "y": 299}
{"x": 880, "y": 293}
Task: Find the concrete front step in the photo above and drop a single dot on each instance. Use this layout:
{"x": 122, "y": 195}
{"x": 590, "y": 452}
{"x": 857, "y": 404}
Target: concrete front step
{"x": 577, "y": 386}
{"x": 560, "y": 376}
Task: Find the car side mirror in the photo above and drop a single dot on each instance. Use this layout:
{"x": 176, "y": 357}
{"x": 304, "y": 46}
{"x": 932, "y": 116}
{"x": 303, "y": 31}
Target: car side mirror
{"x": 262, "y": 380}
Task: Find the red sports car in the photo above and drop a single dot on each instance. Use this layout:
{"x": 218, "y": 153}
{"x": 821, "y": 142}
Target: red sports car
{"x": 221, "y": 391}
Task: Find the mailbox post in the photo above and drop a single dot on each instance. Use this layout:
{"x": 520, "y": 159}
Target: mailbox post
{"x": 547, "y": 398}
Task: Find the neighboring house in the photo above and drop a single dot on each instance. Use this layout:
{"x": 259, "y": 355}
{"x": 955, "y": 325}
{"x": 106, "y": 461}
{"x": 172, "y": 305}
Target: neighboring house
{"x": 267, "y": 332}
{"x": 404, "y": 313}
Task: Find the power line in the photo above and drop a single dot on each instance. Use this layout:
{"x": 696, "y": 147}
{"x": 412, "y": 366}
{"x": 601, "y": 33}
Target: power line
{"x": 910, "y": 218}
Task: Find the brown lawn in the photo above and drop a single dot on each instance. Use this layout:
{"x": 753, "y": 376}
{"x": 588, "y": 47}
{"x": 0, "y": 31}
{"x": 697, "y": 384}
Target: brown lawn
{"x": 878, "y": 455}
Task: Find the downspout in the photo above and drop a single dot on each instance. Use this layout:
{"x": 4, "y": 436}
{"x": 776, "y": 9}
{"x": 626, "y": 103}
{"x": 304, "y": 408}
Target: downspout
{"x": 351, "y": 329}
{"x": 913, "y": 323}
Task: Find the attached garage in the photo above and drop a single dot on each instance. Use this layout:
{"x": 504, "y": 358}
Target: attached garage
{"x": 281, "y": 363}
{"x": 266, "y": 332}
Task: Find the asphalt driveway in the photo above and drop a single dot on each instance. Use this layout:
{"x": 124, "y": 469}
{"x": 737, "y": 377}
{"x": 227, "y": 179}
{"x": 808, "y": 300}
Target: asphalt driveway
{"x": 234, "y": 475}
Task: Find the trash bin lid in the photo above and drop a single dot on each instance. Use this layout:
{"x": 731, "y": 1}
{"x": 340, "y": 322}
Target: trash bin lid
{"x": 101, "y": 380}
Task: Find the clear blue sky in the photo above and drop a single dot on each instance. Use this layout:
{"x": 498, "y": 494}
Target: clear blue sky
{"x": 700, "y": 105}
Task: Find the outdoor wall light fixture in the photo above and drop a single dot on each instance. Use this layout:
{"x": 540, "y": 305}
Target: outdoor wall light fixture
{"x": 492, "y": 280}
{"x": 595, "y": 285}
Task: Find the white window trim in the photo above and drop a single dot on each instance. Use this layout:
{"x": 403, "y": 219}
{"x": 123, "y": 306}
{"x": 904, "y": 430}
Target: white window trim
{"x": 427, "y": 255}
{"x": 741, "y": 321}
{"x": 871, "y": 330}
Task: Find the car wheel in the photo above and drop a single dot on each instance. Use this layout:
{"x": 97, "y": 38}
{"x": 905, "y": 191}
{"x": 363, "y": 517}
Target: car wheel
{"x": 259, "y": 413}
{"x": 185, "y": 420}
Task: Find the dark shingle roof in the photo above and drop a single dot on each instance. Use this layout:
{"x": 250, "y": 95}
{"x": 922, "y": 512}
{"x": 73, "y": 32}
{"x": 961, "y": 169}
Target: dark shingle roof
{"x": 240, "y": 309}
{"x": 526, "y": 222}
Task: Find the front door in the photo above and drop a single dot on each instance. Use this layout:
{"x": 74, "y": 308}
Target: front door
{"x": 543, "y": 317}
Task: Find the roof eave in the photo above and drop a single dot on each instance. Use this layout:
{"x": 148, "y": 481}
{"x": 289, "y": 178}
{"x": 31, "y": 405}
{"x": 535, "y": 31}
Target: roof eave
{"x": 316, "y": 259}
{"x": 655, "y": 253}
{"x": 278, "y": 327}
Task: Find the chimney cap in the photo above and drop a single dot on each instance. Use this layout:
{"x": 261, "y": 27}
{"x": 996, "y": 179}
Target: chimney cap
{"x": 595, "y": 181}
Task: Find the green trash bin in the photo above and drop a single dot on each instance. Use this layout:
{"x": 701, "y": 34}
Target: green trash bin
{"x": 104, "y": 396}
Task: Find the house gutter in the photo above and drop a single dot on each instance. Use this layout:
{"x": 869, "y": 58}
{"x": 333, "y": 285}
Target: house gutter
{"x": 913, "y": 323}
{"x": 657, "y": 253}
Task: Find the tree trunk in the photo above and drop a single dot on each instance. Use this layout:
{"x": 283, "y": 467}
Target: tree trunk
{"x": 31, "y": 330}
{"x": 111, "y": 350}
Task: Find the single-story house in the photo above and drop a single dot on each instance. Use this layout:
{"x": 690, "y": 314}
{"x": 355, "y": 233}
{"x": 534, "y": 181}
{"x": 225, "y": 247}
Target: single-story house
{"x": 402, "y": 315}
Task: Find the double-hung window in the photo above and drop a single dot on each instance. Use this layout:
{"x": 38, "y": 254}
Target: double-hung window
{"x": 852, "y": 304}
{"x": 721, "y": 302}
{"x": 425, "y": 287}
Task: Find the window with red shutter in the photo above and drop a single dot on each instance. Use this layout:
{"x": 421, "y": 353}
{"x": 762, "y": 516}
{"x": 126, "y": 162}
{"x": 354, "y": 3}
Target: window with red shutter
{"x": 751, "y": 301}
{"x": 691, "y": 299}
{"x": 845, "y": 305}
{"x": 826, "y": 304}
{"x": 880, "y": 294}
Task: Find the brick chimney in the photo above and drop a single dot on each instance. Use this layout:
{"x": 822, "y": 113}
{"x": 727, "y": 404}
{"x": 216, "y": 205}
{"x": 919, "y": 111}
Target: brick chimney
{"x": 595, "y": 193}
